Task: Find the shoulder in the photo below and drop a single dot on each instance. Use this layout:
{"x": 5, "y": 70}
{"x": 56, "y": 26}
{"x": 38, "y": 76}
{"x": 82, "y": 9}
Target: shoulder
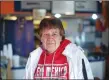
{"x": 34, "y": 55}
{"x": 74, "y": 47}
{"x": 36, "y": 52}
{"x": 73, "y": 50}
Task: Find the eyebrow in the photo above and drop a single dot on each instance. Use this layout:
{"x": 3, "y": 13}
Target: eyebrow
{"x": 55, "y": 32}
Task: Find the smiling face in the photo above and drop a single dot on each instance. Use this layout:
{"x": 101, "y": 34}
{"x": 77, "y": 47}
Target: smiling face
{"x": 51, "y": 39}
{"x": 51, "y": 33}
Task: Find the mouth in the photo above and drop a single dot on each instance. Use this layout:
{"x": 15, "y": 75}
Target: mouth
{"x": 50, "y": 43}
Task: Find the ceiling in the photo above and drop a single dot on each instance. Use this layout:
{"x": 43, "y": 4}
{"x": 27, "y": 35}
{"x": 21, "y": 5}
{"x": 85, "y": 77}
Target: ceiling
{"x": 82, "y": 8}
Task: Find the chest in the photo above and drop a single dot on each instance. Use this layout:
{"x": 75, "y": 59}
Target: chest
{"x": 47, "y": 68}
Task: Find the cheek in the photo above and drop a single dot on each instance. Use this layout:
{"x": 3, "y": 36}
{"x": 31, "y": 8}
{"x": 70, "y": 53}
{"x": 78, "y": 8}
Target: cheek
{"x": 43, "y": 40}
{"x": 59, "y": 40}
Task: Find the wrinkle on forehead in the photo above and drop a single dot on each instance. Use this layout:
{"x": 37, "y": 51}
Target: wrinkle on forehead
{"x": 51, "y": 30}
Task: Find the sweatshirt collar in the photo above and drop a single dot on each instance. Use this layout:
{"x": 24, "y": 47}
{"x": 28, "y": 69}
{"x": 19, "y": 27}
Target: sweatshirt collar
{"x": 69, "y": 50}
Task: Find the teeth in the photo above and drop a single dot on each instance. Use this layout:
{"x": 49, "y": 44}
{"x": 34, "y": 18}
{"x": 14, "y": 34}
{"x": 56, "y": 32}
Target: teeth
{"x": 50, "y": 43}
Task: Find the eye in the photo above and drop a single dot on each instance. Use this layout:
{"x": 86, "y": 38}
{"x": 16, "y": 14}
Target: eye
{"x": 45, "y": 35}
{"x": 55, "y": 34}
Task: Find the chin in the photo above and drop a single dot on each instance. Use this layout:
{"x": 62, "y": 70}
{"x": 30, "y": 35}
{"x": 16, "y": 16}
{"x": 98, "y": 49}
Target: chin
{"x": 51, "y": 50}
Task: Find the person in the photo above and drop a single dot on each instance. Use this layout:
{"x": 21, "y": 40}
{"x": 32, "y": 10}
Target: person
{"x": 56, "y": 57}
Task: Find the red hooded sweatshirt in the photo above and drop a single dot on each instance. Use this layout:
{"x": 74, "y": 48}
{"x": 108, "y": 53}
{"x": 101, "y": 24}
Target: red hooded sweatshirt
{"x": 53, "y": 66}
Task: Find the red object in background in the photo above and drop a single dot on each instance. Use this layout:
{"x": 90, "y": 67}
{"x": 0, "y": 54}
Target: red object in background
{"x": 105, "y": 12}
{"x": 97, "y": 49}
{"x": 100, "y": 26}
{"x": 7, "y": 7}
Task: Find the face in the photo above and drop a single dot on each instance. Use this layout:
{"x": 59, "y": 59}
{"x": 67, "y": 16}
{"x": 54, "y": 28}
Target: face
{"x": 51, "y": 39}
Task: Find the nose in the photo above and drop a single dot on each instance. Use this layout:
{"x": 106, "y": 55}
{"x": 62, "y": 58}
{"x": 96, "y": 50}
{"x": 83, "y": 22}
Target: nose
{"x": 50, "y": 36}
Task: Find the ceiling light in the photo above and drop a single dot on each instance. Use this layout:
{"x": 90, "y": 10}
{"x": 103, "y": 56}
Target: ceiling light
{"x": 29, "y": 18}
{"x": 47, "y": 16}
{"x": 9, "y": 17}
{"x": 57, "y": 15}
{"x": 13, "y": 18}
{"x": 94, "y": 16}
{"x": 68, "y": 13}
{"x": 36, "y": 22}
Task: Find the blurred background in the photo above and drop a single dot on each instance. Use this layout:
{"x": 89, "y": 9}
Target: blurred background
{"x": 86, "y": 24}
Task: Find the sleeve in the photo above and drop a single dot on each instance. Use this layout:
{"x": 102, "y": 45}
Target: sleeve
{"x": 83, "y": 61}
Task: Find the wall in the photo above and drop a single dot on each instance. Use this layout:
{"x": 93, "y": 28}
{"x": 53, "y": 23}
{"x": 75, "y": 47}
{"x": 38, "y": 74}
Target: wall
{"x": 98, "y": 69}
{"x": 105, "y": 37}
{"x": 72, "y": 32}
{"x": 72, "y": 28}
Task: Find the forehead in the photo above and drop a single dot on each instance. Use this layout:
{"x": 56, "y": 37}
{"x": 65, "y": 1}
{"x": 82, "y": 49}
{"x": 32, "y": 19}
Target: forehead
{"x": 47, "y": 30}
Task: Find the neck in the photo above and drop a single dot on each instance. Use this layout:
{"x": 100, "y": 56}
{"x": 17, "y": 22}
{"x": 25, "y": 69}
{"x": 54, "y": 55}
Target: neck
{"x": 50, "y": 52}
